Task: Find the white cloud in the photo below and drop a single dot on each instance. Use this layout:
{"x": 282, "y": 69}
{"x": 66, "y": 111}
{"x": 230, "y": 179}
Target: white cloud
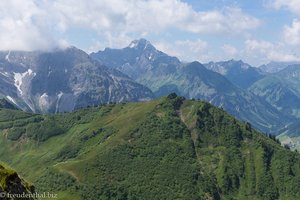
{"x": 258, "y": 46}
{"x": 279, "y": 56}
{"x": 291, "y": 33}
{"x": 260, "y": 52}
{"x": 35, "y": 24}
{"x": 150, "y": 16}
{"x": 18, "y": 29}
{"x": 187, "y": 50}
{"x": 229, "y": 50}
{"x": 291, "y": 5}
{"x": 229, "y": 21}
{"x": 254, "y": 52}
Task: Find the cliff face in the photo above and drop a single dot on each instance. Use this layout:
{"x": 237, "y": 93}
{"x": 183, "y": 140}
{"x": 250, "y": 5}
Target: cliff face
{"x": 12, "y": 186}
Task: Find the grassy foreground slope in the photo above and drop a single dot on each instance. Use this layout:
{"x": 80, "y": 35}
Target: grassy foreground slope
{"x": 169, "y": 148}
{"x": 12, "y": 184}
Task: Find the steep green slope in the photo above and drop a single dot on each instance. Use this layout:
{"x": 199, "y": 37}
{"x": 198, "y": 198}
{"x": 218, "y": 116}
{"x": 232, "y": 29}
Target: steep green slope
{"x": 12, "y": 186}
{"x": 243, "y": 161}
{"x": 169, "y": 148}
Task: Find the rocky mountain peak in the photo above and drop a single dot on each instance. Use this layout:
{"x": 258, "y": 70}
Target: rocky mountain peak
{"x": 141, "y": 45}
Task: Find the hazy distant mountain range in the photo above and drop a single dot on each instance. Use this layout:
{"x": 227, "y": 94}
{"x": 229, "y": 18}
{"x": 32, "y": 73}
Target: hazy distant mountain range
{"x": 239, "y": 73}
{"x": 273, "y": 67}
{"x": 63, "y": 80}
{"x": 227, "y": 88}
{"x": 281, "y": 90}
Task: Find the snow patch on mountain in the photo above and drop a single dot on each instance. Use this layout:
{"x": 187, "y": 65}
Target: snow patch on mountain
{"x": 7, "y": 57}
{"x": 18, "y": 78}
{"x": 44, "y": 102}
{"x": 142, "y": 43}
{"x": 132, "y": 45}
{"x": 60, "y": 94}
{"x": 11, "y": 100}
{"x": 58, "y": 100}
{"x": 6, "y": 74}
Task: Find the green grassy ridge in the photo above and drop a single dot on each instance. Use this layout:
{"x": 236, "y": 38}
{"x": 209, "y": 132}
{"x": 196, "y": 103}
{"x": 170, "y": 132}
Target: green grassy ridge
{"x": 250, "y": 156}
{"x": 168, "y": 148}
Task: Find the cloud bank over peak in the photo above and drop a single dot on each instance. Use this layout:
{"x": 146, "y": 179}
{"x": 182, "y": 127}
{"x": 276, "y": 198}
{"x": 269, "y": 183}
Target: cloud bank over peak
{"x": 23, "y": 26}
{"x": 188, "y": 29}
{"x": 46, "y": 24}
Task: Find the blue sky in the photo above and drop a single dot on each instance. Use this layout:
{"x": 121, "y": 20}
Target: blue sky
{"x": 255, "y": 31}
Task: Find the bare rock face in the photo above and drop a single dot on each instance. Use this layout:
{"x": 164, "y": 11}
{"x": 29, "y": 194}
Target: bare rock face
{"x": 12, "y": 184}
{"x": 63, "y": 80}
